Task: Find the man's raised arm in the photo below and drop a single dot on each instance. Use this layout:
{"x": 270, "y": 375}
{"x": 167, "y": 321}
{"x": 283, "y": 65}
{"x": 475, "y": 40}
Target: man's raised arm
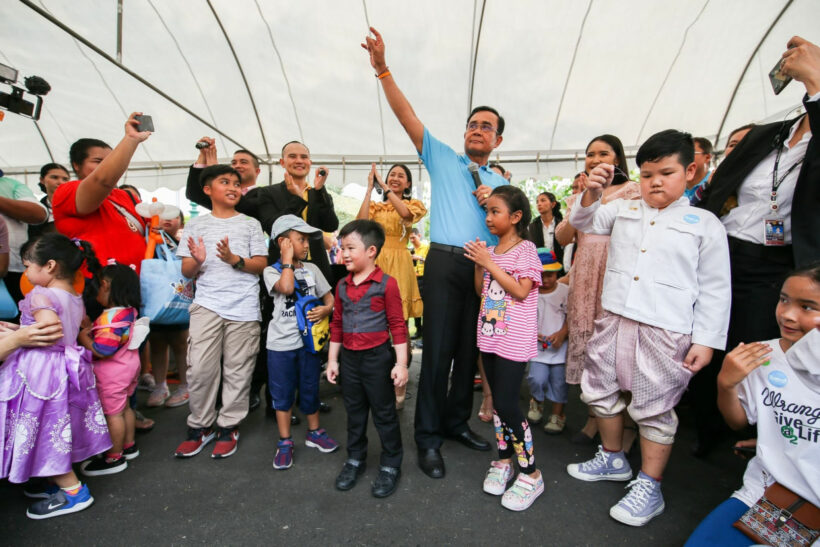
{"x": 398, "y": 102}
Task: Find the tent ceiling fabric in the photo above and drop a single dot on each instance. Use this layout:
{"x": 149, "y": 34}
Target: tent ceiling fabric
{"x": 640, "y": 66}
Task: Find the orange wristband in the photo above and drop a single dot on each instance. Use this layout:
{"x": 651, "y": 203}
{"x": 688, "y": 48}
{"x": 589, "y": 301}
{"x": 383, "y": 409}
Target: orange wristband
{"x": 383, "y": 75}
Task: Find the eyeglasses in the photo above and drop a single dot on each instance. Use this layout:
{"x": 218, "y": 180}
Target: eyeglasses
{"x": 485, "y": 127}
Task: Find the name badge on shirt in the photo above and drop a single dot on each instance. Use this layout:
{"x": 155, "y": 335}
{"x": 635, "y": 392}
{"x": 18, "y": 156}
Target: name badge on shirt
{"x": 310, "y": 281}
{"x": 774, "y": 232}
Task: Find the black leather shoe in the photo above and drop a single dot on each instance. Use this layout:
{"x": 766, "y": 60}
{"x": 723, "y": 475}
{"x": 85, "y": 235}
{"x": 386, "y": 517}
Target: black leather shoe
{"x": 324, "y": 408}
{"x": 254, "y": 402}
{"x": 431, "y": 463}
{"x": 350, "y": 474}
{"x": 295, "y": 420}
{"x": 472, "y": 440}
{"x": 386, "y": 481}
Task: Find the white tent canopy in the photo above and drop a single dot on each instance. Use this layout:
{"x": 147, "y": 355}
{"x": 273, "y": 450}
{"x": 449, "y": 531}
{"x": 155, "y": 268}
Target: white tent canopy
{"x": 264, "y": 72}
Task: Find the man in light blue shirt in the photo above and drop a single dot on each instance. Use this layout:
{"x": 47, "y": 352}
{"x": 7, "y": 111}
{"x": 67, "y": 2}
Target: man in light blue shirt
{"x": 450, "y": 303}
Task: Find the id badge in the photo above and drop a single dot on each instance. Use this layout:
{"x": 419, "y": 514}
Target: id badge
{"x": 310, "y": 281}
{"x": 774, "y": 233}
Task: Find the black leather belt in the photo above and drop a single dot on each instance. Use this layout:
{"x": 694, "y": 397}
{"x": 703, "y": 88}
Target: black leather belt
{"x": 452, "y": 249}
{"x": 780, "y": 254}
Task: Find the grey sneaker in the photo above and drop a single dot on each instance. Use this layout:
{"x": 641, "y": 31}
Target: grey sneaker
{"x": 605, "y": 466}
{"x": 643, "y": 502}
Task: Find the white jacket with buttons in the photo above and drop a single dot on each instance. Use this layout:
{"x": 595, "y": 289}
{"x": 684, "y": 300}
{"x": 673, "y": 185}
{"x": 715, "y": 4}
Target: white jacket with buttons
{"x": 667, "y": 268}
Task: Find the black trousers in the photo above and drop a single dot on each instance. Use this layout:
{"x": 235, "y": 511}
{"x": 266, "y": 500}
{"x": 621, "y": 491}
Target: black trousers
{"x": 259, "y": 377}
{"x": 450, "y": 316}
{"x": 758, "y": 274}
{"x": 367, "y": 386}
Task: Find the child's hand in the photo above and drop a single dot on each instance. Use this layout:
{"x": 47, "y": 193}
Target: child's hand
{"x": 223, "y": 251}
{"x": 399, "y": 375}
{"x": 197, "y": 249}
{"x": 555, "y": 339}
{"x": 477, "y": 252}
{"x": 697, "y": 357}
{"x": 286, "y": 248}
{"x": 747, "y": 443}
{"x": 601, "y": 177}
{"x": 332, "y": 371}
{"x": 318, "y": 313}
{"x": 742, "y": 360}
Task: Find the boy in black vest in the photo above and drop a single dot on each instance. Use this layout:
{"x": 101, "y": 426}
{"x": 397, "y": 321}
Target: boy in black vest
{"x": 366, "y": 313}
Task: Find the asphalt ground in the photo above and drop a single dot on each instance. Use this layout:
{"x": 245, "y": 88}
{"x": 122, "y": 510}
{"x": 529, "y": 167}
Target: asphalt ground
{"x": 242, "y": 500}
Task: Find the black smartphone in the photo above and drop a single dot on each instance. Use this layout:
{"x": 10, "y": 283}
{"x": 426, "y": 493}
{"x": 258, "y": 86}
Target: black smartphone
{"x": 778, "y": 79}
{"x": 749, "y": 450}
{"x": 146, "y": 123}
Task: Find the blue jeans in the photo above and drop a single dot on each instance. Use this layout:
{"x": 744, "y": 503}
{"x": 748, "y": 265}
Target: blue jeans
{"x": 716, "y": 529}
{"x": 548, "y": 382}
{"x": 288, "y": 370}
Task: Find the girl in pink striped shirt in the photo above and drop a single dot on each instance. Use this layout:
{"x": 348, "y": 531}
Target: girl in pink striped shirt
{"x": 507, "y": 276}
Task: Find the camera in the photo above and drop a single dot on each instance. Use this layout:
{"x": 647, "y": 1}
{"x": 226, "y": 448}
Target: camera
{"x": 14, "y": 100}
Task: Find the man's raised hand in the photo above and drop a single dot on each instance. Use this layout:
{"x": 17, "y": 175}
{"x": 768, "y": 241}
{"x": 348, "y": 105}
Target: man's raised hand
{"x": 375, "y": 47}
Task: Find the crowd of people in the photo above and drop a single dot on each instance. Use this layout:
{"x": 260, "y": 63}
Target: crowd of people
{"x": 686, "y": 279}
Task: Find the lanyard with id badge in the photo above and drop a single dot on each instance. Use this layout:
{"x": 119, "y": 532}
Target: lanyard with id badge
{"x": 774, "y": 230}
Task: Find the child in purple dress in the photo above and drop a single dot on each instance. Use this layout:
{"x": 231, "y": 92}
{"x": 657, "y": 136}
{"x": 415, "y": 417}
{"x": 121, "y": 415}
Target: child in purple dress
{"x": 50, "y": 413}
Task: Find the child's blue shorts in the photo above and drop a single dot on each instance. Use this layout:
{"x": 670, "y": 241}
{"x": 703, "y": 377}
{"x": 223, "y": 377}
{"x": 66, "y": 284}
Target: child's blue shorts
{"x": 289, "y": 370}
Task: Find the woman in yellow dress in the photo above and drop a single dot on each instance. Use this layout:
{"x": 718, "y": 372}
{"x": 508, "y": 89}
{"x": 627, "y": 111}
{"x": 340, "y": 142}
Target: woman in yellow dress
{"x": 397, "y": 212}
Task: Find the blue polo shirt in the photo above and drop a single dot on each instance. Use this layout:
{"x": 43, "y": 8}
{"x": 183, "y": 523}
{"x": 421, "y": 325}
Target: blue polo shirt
{"x": 455, "y": 216}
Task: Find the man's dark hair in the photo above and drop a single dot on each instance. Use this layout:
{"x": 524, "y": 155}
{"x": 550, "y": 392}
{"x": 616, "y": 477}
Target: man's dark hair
{"x": 500, "y": 129}
{"x": 254, "y": 159}
{"x": 293, "y": 142}
{"x": 617, "y": 147}
{"x": 370, "y": 231}
{"x": 79, "y": 151}
{"x": 496, "y": 165}
{"x": 210, "y": 173}
{"x": 705, "y": 145}
{"x": 667, "y": 143}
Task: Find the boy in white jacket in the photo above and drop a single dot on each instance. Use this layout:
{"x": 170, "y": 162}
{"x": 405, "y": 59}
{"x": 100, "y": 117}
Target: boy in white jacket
{"x": 666, "y": 301}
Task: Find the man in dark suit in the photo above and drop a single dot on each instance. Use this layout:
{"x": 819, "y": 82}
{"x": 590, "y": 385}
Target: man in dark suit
{"x": 769, "y": 184}
{"x": 295, "y": 196}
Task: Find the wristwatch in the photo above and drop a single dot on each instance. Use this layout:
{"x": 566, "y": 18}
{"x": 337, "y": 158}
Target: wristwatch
{"x": 239, "y": 264}
{"x": 287, "y": 266}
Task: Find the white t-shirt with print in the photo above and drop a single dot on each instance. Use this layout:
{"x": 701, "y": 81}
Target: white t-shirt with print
{"x": 283, "y": 331}
{"x": 231, "y": 294}
{"x": 787, "y": 414}
{"x": 552, "y": 313}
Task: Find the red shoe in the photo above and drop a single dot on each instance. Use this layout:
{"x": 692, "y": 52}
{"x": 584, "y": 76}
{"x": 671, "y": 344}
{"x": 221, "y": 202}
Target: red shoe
{"x": 226, "y": 443}
{"x": 197, "y": 439}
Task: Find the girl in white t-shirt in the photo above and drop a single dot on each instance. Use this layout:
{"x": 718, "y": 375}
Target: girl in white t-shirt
{"x": 776, "y": 385}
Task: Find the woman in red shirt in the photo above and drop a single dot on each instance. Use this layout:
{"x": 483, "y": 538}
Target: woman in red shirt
{"x": 92, "y": 208}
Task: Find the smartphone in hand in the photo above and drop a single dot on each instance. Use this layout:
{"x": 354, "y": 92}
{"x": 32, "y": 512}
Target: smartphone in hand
{"x": 146, "y": 123}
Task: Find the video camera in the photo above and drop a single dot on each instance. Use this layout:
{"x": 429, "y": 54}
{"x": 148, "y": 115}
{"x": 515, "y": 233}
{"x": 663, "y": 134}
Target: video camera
{"x": 14, "y": 101}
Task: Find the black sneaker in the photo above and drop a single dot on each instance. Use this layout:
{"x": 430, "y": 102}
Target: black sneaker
{"x": 60, "y": 503}
{"x": 131, "y": 452}
{"x": 386, "y": 482}
{"x": 103, "y": 466}
{"x": 350, "y": 473}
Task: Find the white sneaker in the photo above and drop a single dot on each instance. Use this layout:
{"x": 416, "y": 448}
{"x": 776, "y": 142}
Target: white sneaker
{"x": 605, "y": 466}
{"x": 643, "y": 502}
{"x": 158, "y": 396}
{"x": 536, "y": 411}
{"x": 523, "y": 492}
{"x": 498, "y": 476}
{"x": 555, "y": 424}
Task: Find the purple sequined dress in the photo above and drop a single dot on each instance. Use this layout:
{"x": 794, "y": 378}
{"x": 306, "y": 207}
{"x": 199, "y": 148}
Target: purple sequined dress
{"x": 50, "y": 414}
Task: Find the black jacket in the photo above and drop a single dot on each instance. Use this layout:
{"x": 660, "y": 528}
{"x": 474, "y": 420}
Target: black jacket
{"x": 537, "y": 237}
{"x": 758, "y": 143}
